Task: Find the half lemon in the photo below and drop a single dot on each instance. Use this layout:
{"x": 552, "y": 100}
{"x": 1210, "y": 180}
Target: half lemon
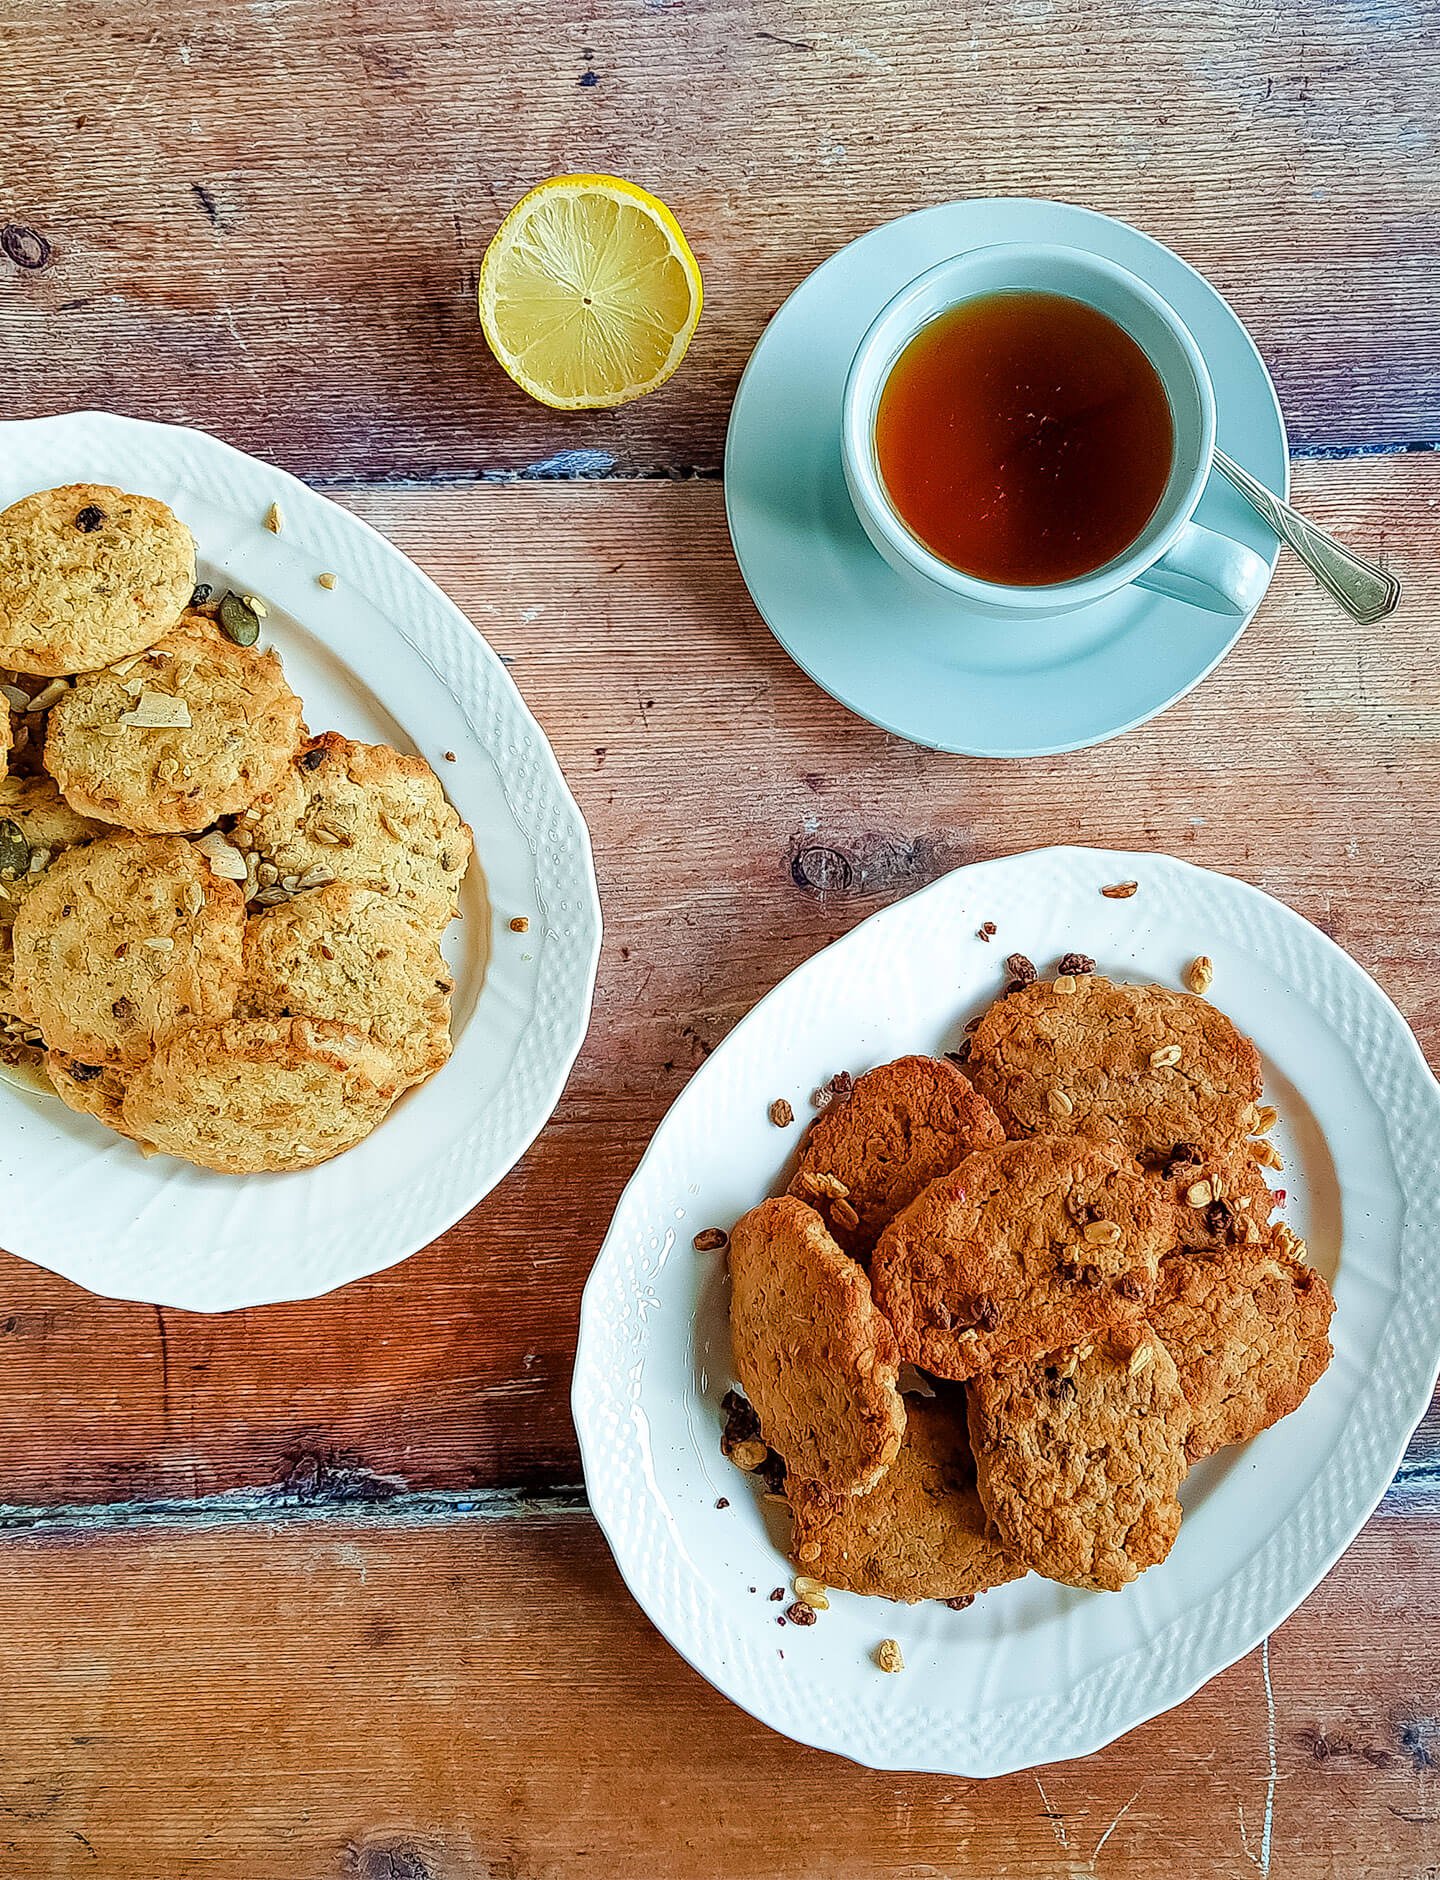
{"x": 589, "y": 294}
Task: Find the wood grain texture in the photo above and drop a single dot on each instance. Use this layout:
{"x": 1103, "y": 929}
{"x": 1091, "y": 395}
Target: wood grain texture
{"x": 483, "y": 1702}
{"x": 266, "y": 218}
{"x": 724, "y": 792}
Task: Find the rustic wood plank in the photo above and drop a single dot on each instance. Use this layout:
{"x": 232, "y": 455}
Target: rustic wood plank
{"x": 707, "y": 764}
{"x": 243, "y": 218}
{"x": 482, "y": 1699}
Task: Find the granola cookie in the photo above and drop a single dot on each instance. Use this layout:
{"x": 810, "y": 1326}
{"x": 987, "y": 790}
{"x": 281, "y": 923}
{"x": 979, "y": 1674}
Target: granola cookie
{"x": 904, "y": 1124}
{"x": 355, "y": 957}
{"x": 87, "y": 575}
{"x": 1141, "y": 1064}
{"x": 920, "y": 1533}
{"x": 96, "y": 1090}
{"x": 1249, "y": 1332}
{"x": 169, "y": 740}
{"x": 36, "y": 824}
{"x": 1023, "y": 1248}
{"x": 1221, "y": 1200}
{"x": 123, "y": 941}
{"x": 1079, "y": 1458}
{"x": 812, "y": 1354}
{"x": 24, "y": 719}
{"x": 249, "y": 1096}
{"x": 367, "y": 815}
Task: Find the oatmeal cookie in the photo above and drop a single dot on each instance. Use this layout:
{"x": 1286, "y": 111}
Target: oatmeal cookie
{"x": 920, "y": 1533}
{"x": 1249, "y": 1332}
{"x": 371, "y": 817}
{"x": 121, "y": 942}
{"x": 1079, "y": 1458}
{"x": 36, "y": 824}
{"x": 87, "y": 575}
{"x": 96, "y": 1090}
{"x": 346, "y": 954}
{"x": 1141, "y": 1064}
{"x": 904, "y": 1124}
{"x": 1023, "y": 1248}
{"x": 812, "y": 1354}
{"x": 1221, "y": 1200}
{"x": 249, "y": 1096}
{"x": 169, "y": 740}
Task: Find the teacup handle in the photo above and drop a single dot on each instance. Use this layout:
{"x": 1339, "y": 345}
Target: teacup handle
{"x": 1209, "y": 571}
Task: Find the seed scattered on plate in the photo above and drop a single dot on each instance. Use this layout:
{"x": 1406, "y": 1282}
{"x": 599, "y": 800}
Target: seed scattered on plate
{"x": 239, "y": 621}
{"x": 274, "y": 521}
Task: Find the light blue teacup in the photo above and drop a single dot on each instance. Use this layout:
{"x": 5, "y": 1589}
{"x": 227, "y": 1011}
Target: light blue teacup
{"x": 1173, "y": 554}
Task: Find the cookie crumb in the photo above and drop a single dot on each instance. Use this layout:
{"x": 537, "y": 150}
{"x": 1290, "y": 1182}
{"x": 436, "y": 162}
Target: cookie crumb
{"x": 781, "y": 1114}
{"x": 274, "y": 521}
{"x": 986, "y": 931}
{"x": 1120, "y": 890}
{"x": 326, "y": 580}
{"x": 1075, "y": 964}
{"x": 889, "y": 1656}
{"x": 1200, "y": 974}
{"x": 710, "y": 1240}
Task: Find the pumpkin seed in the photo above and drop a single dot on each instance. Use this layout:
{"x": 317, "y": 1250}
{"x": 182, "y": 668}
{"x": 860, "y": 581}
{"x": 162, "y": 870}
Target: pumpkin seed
{"x": 14, "y": 850}
{"x": 239, "y": 620}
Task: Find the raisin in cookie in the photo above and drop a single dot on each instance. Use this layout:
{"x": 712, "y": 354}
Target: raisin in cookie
{"x": 169, "y": 740}
{"x": 354, "y": 957}
{"x": 1249, "y": 1332}
{"x": 87, "y": 575}
{"x": 1023, "y": 1248}
{"x": 364, "y": 814}
{"x": 251, "y": 1096}
{"x": 920, "y": 1533}
{"x": 1140, "y": 1064}
{"x": 1079, "y": 1457}
{"x": 123, "y": 941}
{"x": 812, "y": 1354}
{"x": 96, "y": 1090}
{"x": 1221, "y": 1200}
{"x": 904, "y": 1123}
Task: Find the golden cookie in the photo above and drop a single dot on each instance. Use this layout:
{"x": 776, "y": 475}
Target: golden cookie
{"x": 96, "y": 1090}
{"x": 1141, "y": 1064}
{"x": 920, "y": 1533}
{"x": 363, "y": 814}
{"x": 87, "y": 575}
{"x": 1023, "y": 1248}
{"x": 24, "y": 719}
{"x": 36, "y": 824}
{"x": 169, "y": 740}
{"x": 1079, "y": 1457}
{"x": 814, "y": 1357}
{"x": 903, "y": 1124}
{"x": 347, "y": 954}
{"x": 1249, "y": 1332}
{"x": 123, "y": 941}
{"x": 1221, "y": 1200}
{"x": 248, "y": 1096}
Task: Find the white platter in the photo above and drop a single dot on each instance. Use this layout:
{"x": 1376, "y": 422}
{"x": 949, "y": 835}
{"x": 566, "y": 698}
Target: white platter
{"x": 385, "y": 657}
{"x": 1033, "y": 1672}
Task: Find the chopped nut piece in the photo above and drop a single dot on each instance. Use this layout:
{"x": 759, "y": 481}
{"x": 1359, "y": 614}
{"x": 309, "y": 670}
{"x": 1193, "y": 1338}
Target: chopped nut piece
{"x": 808, "y": 1553}
{"x": 256, "y": 606}
{"x": 1140, "y": 1357}
{"x": 274, "y": 521}
{"x": 812, "y": 1592}
{"x": 1266, "y": 1117}
{"x": 1267, "y": 1155}
{"x": 781, "y": 1114}
{"x": 326, "y": 580}
{"x": 158, "y": 711}
{"x": 817, "y": 1182}
{"x": 1065, "y": 984}
{"x": 1200, "y": 1194}
{"x": 888, "y": 1655}
{"x": 1167, "y": 1056}
{"x": 710, "y": 1240}
{"x": 1120, "y": 890}
{"x": 748, "y": 1456}
{"x": 1059, "y": 1104}
{"x": 520, "y": 924}
{"x": 845, "y": 1215}
{"x": 1200, "y": 974}
{"x": 1102, "y": 1233}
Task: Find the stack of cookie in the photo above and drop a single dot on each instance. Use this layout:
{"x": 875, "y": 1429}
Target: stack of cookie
{"x": 1071, "y": 1249}
{"x": 218, "y": 935}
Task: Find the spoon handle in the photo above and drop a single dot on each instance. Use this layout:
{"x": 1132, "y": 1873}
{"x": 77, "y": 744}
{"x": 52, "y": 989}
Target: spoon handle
{"x": 1367, "y": 593}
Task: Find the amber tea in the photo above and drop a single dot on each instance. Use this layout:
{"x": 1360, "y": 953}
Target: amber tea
{"x": 1024, "y": 438}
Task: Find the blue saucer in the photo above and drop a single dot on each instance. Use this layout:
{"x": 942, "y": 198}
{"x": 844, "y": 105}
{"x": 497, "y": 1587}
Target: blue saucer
{"x": 924, "y": 667}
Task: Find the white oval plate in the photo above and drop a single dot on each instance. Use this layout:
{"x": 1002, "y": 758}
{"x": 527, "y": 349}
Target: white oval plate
{"x": 383, "y": 656}
{"x": 1033, "y": 1672}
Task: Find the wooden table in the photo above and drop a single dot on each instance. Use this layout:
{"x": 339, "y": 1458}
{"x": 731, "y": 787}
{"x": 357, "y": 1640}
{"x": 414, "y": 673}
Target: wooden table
{"x": 312, "y": 1591}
